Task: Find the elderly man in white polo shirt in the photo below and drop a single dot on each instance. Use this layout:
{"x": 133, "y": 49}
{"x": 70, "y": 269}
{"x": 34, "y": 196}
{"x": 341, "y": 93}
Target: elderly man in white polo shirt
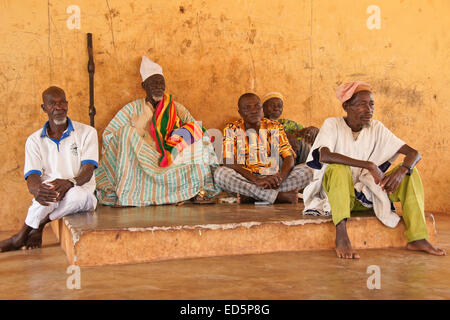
{"x": 60, "y": 160}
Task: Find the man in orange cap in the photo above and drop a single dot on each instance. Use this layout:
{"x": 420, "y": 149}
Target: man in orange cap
{"x": 351, "y": 155}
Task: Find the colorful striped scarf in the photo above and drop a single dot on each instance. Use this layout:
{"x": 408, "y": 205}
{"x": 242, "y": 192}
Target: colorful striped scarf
{"x": 170, "y": 135}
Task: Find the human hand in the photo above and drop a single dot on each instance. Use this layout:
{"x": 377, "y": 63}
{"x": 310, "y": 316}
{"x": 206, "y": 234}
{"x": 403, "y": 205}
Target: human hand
{"x": 269, "y": 182}
{"x": 391, "y": 182}
{"x": 45, "y": 193}
{"x": 261, "y": 182}
{"x": 309, "y": 134}
{"x": 61, "y": 186}
{"x": 376, "y": 173}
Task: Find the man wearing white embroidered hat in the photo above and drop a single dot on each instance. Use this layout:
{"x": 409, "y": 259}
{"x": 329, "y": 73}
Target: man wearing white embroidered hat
{"x": 60, "y": 160}
{"x": 351, "y": 155}
{"x": 154, "y": 152}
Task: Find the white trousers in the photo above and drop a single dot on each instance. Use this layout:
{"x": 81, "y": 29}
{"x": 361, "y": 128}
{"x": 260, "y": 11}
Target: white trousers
{"x": 76, "y": 200}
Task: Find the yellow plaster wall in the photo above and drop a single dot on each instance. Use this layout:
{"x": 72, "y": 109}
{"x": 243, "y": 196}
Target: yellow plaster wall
{"x": 212, "y": 51}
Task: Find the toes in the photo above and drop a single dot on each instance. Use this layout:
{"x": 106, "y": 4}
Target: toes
{"x": 31, "y": 246}
{"x": 347, "y": 255}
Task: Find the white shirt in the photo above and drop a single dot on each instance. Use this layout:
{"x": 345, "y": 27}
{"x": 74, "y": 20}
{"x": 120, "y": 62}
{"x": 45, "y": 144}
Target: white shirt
{"x": 375, "y": 143}
{"x": 62, "y": 159}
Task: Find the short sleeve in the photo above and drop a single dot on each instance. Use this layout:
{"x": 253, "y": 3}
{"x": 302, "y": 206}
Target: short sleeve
{"x": 285, "y": 147}
{"x": 33, "y": 158}
{"x": 388, "y": 142}
{"x": 327, "y": 137}
{"x": 89, "y": 149}
{"x": 229, "y": 145}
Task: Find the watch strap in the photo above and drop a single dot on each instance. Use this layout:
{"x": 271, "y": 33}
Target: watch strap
{"x": 409, "y": 169}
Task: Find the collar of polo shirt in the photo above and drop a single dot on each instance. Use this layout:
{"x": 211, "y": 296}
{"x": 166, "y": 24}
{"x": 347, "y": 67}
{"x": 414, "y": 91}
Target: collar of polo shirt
{"x": 65, "y": 134}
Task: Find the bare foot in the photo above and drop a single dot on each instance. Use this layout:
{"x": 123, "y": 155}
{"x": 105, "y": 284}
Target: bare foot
{"x": 34, "y": 239}
{"x": 10, "y": 245}
{"x": 424, "y": 245}
{"x": 343, "y": 246}
{"x": 244, "y": 199}
{"x": 16, "y": 242}
{"x": 287, "y": 197}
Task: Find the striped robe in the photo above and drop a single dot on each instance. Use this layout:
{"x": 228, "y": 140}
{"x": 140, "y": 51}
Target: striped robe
{"x": 129, "y": 174}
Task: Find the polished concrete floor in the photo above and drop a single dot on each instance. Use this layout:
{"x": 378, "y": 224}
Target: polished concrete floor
{"x": 42, "y": 274}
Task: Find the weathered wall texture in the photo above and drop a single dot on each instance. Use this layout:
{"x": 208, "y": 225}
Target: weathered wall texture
{"x": 212, "y": 51}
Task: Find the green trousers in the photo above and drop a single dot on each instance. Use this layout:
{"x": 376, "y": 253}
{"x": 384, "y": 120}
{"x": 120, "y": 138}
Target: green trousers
{"x": 338, "y": 185}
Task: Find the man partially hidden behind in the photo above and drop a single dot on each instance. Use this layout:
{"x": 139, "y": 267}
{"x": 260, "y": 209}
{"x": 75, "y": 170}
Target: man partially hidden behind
{"x": 300, "y": 138}
{"x": 60, "y": 160}
{"x": 252, "y": 147}
{"x": 351, "y": 155}
{"x": 154, "y": 152}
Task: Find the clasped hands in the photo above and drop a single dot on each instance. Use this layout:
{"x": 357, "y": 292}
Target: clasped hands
{"x": 52, "y": 191}
{"x": 388, "y": 183}
{"x": 268, "y": 182}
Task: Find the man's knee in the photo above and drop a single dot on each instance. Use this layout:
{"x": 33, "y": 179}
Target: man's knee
{"x": 302, "y": 172}
{"x": 305, "y": 170}
{"x": 221, "y": 173}
{"x": 76, "y": 197}
{"x": 414, "y": 176}
{"x": 337, "y": 176}
{"x": 36, "y": 206}
{"x": 338, "y": 170}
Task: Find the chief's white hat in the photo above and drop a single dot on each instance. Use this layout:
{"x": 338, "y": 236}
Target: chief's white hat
{"x": 149, "y": 68}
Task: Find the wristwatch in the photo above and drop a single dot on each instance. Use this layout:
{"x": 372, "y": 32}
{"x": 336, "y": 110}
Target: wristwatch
{"x": 409, "y": 169}
{"x": 73, "y": 181}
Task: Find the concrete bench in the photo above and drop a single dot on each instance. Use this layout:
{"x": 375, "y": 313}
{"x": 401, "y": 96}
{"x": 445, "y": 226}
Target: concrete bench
{"x": 110, "y": 236}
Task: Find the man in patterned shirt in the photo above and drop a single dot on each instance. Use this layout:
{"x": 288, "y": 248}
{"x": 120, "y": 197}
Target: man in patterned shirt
{"x": 252, "y": 149}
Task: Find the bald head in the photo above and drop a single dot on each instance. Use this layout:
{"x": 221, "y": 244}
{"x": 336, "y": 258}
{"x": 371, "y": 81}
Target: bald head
{"x": 52, "y": 92}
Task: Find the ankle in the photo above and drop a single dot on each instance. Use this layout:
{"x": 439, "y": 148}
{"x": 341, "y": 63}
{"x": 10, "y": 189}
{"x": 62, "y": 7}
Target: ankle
{"x": 342, "y": 225}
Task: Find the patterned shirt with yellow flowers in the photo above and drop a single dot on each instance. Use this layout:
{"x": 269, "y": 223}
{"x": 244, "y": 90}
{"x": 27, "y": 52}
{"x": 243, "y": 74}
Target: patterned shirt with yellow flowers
{"x": 258, "y": 153}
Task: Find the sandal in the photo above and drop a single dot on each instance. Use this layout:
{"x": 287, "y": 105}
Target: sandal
{"x": 202, "y": 198}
